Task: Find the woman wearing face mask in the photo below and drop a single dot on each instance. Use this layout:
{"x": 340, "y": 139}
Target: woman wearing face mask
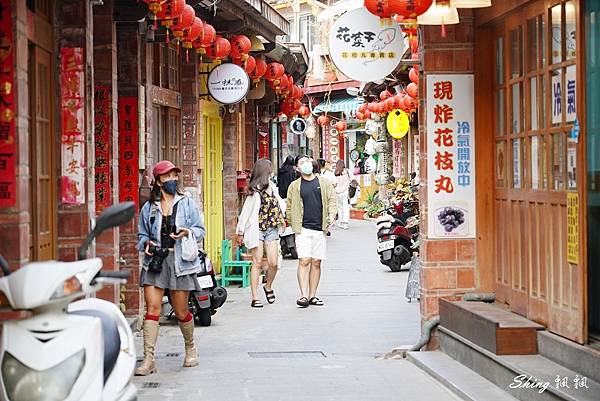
{"x": 164, "y": 220}
{"x": 259, "y": 225}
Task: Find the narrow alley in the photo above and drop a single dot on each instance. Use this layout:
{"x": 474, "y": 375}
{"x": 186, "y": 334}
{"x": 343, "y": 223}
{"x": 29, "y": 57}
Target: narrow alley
{"x": 282, "y": 352}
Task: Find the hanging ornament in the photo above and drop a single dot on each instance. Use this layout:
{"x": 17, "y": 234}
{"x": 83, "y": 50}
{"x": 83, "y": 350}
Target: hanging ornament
{"x": 409, "y": 103}
{"x": 367, "y": 114}
{"x": 240, "y": 46}
{"x": 259, "y": 70}
{"x": 171, "y": 9}
{"x": 155, "y": 7}
{"x": 362, "y": 108}
{"x": 183, "y": 22}
{"x": 411, "y": 9}
{"x": 372, "y": 107}
{"x": 323, "y": 120}
{"x": 219, "y": 49}
{"x": 413, "y": 90}
{"x": 413, "y": 43}
{"x": 397, "y": 124}
{"x": 413, "y": 75}
{"x": 311, "y": 131}
{"x": 304, "y": 111}
{"x": 341, "y": 126}
{"x": 249, "y": 64}
{"x": 191, "y": 34}
{"x": 381, "y": 8}
{"x": 360, "y": 116}
{"x": 384, "y": 95}
{"x": 274, "y": 71}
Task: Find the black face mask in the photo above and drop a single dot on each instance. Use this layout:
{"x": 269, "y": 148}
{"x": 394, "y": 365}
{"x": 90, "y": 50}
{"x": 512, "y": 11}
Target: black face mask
{"x": 170, "y": 186}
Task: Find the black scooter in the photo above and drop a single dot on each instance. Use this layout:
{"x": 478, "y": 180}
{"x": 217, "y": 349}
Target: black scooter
{"x": 204, "y": 303}
{"x": 394, "y": 239}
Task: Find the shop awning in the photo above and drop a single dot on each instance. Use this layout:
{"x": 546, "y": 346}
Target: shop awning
{"x": 345, "y": 105}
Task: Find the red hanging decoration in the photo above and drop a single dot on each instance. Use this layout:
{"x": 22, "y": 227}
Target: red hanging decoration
{"x": 304, "y": 111}
{"x": 219, "y": 49}
{"x": 385, "y": 95}
{"x": 274, "y": 71}
{"x": 191, "y": 34}
{"x": 413, "y": 90}
{"x": 323, "y": 120}
{"x": 341, "y": 126}
{"x": 411, "y": 9}
{"x": 240, "y": 46}
{"x": 171, "y": 9}
{"x": 413, "y": 75}
{"x": 381, "y": 8}
{"x": 182, "y": 22}
{"x": 259, "y": 70}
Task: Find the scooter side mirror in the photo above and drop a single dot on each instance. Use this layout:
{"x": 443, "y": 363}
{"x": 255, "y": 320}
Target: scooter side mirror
{"x": 111, "y": 217}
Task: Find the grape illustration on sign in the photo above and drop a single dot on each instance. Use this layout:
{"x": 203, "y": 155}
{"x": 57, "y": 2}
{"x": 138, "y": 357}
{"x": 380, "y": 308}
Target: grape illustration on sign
{"x": 364, "y": 47}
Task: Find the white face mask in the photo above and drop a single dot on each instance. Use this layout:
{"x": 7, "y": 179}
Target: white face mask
{"x": 306, "y": 168}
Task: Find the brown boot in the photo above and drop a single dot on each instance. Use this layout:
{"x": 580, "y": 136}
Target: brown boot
{"x": 150, "y": 335}
{"x": 191, "y": 354}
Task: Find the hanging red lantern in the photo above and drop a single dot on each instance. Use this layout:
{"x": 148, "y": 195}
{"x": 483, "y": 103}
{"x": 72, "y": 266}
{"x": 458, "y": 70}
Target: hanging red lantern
{"x": 341, "y": 126}
{"x": 248, "y": 64}
{"x": 413, "y": 75}
{"x": 183, "y": 22}
{"x": 409, "y": 103}
{"x": 192, "y": 33}
{"x": 219, "y": 49}
{"x": 410, "y": 29}
{"x": 323, "y": 120}
{"x": 259, "y": 70}
{"x": 380, "y": 8}
{"x": 413, "y": 43}
{"x": 274, "y": 71}
{"x": 240, "y": 46}
{"x": 413, "y": 90}
{"x": 372, "y": 107}
{"x": 389, "y": 104}
{"x": 398, "y": 101}
{"x": 362, "y": 108}
{"x": 155, "y": 6}
{"x": 304, "y": 111}
{"x": 171, "y": 9}
{"x": 360, "y": 116}
{"x": 385, "y": 95}
{"x": 379, "y": 108}
{"x": 367, "y": 114}
{"x": 411, "y": 9}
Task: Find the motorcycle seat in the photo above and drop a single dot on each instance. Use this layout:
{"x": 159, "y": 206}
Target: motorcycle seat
{"x": 110, "y": 337}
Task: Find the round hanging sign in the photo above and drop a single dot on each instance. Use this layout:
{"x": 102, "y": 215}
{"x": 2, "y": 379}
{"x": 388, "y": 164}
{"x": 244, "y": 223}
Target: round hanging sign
{"x": 228, "y": 83}
{"x": 397, "y": 124}
{"x": 298, "y": 126}
{"x": 364, "y": 47}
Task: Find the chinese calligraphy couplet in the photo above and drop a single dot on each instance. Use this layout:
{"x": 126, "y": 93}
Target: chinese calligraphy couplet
{"x": 72, "y": 130}
{"x": 128, "y": 149}
{"x": 8, "y": 178}
{"x": 573, "y": 227}
{"x": 263, "y": 144}
{"x": 103, "y": 152}
{"x": 451, "y": 156}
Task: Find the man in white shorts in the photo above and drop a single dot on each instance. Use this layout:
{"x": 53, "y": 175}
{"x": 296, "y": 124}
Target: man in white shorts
{"x": 311, "y": 209}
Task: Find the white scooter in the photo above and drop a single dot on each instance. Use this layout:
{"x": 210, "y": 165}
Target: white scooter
{"x": 67, "y": 351}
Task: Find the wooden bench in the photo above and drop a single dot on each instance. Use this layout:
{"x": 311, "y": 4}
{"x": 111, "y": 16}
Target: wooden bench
{"x": 491, "y": 327}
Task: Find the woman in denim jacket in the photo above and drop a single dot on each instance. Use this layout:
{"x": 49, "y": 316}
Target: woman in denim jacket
{"x": 164, "y": 220}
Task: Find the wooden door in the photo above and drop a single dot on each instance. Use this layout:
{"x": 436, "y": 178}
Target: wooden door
{"x": 535, "y": 106}
{"x": 43, "y": 176}
{"x": 213, "y": 182}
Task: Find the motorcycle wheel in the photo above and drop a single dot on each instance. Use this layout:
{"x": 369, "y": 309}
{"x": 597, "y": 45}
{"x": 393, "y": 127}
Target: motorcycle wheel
{"x": 395, "y": 265}
{"x": 204, "y": 317}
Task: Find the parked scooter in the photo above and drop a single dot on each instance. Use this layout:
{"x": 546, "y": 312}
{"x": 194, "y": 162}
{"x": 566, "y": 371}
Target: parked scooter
{"x": 67, "y": 350}
{"x": 202, "y": 304}
{"x": 394, "y": 239}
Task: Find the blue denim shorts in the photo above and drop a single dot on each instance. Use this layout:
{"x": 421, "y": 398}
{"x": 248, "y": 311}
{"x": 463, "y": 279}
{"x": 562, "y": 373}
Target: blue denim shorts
{"x": 270, "y": 235}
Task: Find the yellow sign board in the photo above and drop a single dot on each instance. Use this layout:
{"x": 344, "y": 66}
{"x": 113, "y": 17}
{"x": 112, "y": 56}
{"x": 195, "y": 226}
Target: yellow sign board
{"x": 573, "y": 228}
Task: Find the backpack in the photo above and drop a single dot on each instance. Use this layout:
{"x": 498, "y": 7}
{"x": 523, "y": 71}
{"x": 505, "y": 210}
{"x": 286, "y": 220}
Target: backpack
{"x": 352, "y": 188}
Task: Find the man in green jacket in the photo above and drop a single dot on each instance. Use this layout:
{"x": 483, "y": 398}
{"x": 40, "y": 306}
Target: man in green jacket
{"x": 311, "y": 209}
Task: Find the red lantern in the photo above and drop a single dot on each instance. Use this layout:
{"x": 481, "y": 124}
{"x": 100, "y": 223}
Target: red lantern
{"x": 304, "y": 111}
{"x": 413, "y": 90}
{"x": 219, "y": 49}
{"x": 411, "y": 9}
{"x": 192, "y": 33}
{"x": 240, "y": 46}
{"x": 367, "y": 114}
{"x": 372, "y": 107}
{"x": 379, "y": 108}
{"x": 410, "y": 30}
{"x": 389, "y": 104}
{"x": 362, "y": 108}
{"x": 380, "y": 8}
{"x": 398, "y": 101}
{"x": 248, "y": 64}
{"x": 155, "y": 6}
{"x": 171, "y": 9}
{"x": 259, "y": 70}
{"x": 409, "y": 103}
{"x": 341, "y": 126}
{"x": 413, "y": 75}
{"x": 385, "y": 95}
{"x": 323, "y": 120}
{"x": 183, "y": 22}
{"x": 274, "y": 71}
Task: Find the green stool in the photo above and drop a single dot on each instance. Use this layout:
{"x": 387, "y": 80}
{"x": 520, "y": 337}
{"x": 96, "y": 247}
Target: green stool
{"x": 234, "y": 270}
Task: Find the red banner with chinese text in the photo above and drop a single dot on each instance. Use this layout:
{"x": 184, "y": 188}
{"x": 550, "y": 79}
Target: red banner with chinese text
{"x": 103, "y": 146}
{"x": 8, "y": 176}
{"x": 263, "y": 144}
{"x": 72, "y": 139}
{"x": 128, "y": 149}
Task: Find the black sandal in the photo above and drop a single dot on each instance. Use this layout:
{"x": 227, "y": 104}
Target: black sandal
{"x": 302, "y": 302}
{"x": 270, "y": 295}
{"x": 256, "y": 303}
{"x": 315, "y": 301}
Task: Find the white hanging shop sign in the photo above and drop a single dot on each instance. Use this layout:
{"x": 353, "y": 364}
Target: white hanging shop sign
{"x": 364, "y": 47}
{"x": 451, "y": 156}
{"x": 228, "y": 83}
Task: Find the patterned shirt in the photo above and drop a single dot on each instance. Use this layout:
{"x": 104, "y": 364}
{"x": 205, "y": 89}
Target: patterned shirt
{"x": 269, "y": 215}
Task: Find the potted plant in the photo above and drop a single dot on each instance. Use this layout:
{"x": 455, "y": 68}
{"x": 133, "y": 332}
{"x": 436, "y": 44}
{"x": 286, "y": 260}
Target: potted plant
{"x": 372, "y": 205}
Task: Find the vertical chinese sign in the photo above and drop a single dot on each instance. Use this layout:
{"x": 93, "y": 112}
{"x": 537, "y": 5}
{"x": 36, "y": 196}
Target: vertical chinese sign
{"x": 103, "y": 146}
{"x": 331, "y": 142}
{"x": 451, "y": 156}
{"x": 263, "y": 143}
{"x": 72, "y": 135}
{"x": 8, "y": 176}
{"x": 573, "y": 227}
{"x": 128, "y": 149}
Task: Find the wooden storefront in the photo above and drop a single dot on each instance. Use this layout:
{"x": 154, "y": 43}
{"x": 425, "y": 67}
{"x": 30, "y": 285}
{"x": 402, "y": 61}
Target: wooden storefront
{"x": 534, "y": 55}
